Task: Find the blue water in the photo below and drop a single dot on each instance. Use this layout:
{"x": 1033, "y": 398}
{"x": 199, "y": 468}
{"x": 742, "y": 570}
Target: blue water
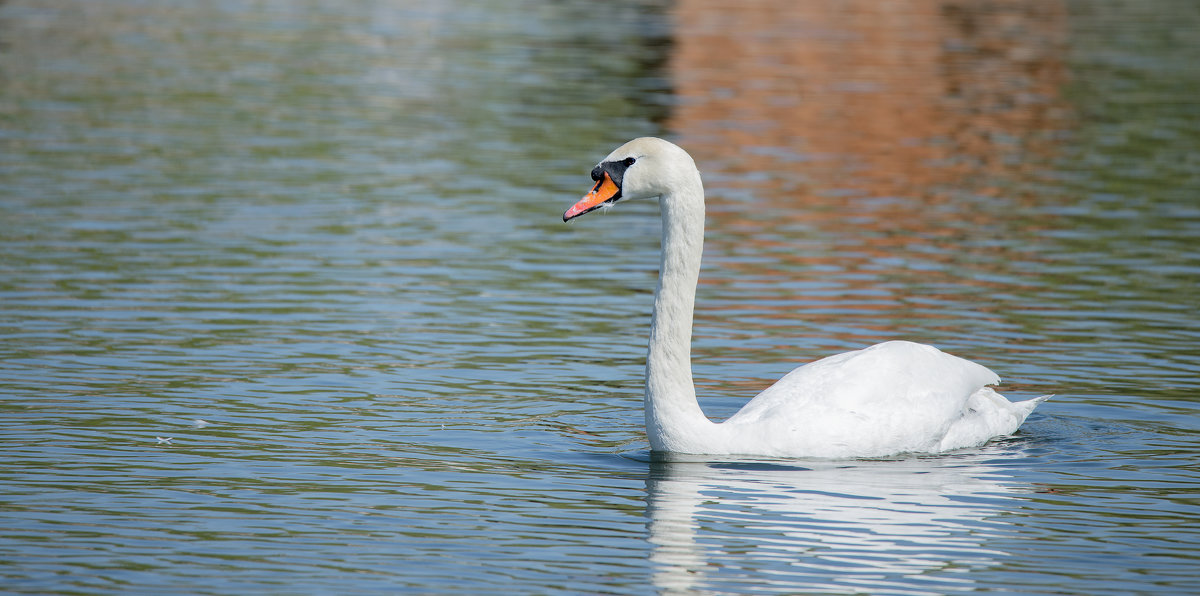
{"x": 287, "y": 306}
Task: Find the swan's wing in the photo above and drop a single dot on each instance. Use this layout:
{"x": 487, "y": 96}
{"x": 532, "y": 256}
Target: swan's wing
{"x": 887, "y": 376}
{"x": 891, "y": 397}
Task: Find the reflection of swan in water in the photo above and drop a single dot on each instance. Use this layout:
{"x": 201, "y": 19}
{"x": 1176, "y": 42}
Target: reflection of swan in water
{"x": 827, "y": 526}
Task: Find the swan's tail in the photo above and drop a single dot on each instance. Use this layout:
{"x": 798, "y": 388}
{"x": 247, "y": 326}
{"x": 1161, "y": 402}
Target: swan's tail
{"x": 1028, "y": 405}
{"x": 989, "y": 415}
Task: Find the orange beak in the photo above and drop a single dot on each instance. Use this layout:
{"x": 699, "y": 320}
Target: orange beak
{"x": 605, "y": 191}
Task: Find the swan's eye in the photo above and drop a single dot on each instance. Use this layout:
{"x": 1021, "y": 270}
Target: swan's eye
{"x": 614, "y": 169}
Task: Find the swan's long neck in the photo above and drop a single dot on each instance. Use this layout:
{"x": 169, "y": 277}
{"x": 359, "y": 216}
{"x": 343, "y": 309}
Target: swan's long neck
{"x": 674, "y": 420}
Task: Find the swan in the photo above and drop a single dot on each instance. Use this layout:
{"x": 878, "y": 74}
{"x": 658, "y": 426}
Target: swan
{"x": 891, "y": 398}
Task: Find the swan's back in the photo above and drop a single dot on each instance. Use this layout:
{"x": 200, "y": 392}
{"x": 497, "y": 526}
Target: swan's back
{"x": 893, "y": 397}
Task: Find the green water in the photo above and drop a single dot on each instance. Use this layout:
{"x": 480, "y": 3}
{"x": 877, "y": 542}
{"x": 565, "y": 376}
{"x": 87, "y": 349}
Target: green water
{"x": 287, "y": 306}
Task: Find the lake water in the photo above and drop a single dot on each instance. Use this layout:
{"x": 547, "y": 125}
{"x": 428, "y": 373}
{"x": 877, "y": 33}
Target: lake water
{"x": 287, "y": 306}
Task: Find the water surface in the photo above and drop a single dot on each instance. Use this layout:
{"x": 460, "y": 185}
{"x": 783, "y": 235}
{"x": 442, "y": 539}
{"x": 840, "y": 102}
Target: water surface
{"x": 287, "y": 305}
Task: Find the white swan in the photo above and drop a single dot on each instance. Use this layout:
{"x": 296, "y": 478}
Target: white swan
{"x": 894, "y": 397}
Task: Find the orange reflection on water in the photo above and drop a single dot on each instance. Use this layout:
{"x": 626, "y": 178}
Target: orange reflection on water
{"x": 858, "y": 118}
{"x": 886, "y": 98}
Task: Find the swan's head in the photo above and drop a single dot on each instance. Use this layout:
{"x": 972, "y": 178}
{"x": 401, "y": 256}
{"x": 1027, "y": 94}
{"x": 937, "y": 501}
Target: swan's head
{"x": 644, "y": 168}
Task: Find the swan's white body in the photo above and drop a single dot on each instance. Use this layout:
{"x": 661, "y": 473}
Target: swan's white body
{"x": 894, "y": 397}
